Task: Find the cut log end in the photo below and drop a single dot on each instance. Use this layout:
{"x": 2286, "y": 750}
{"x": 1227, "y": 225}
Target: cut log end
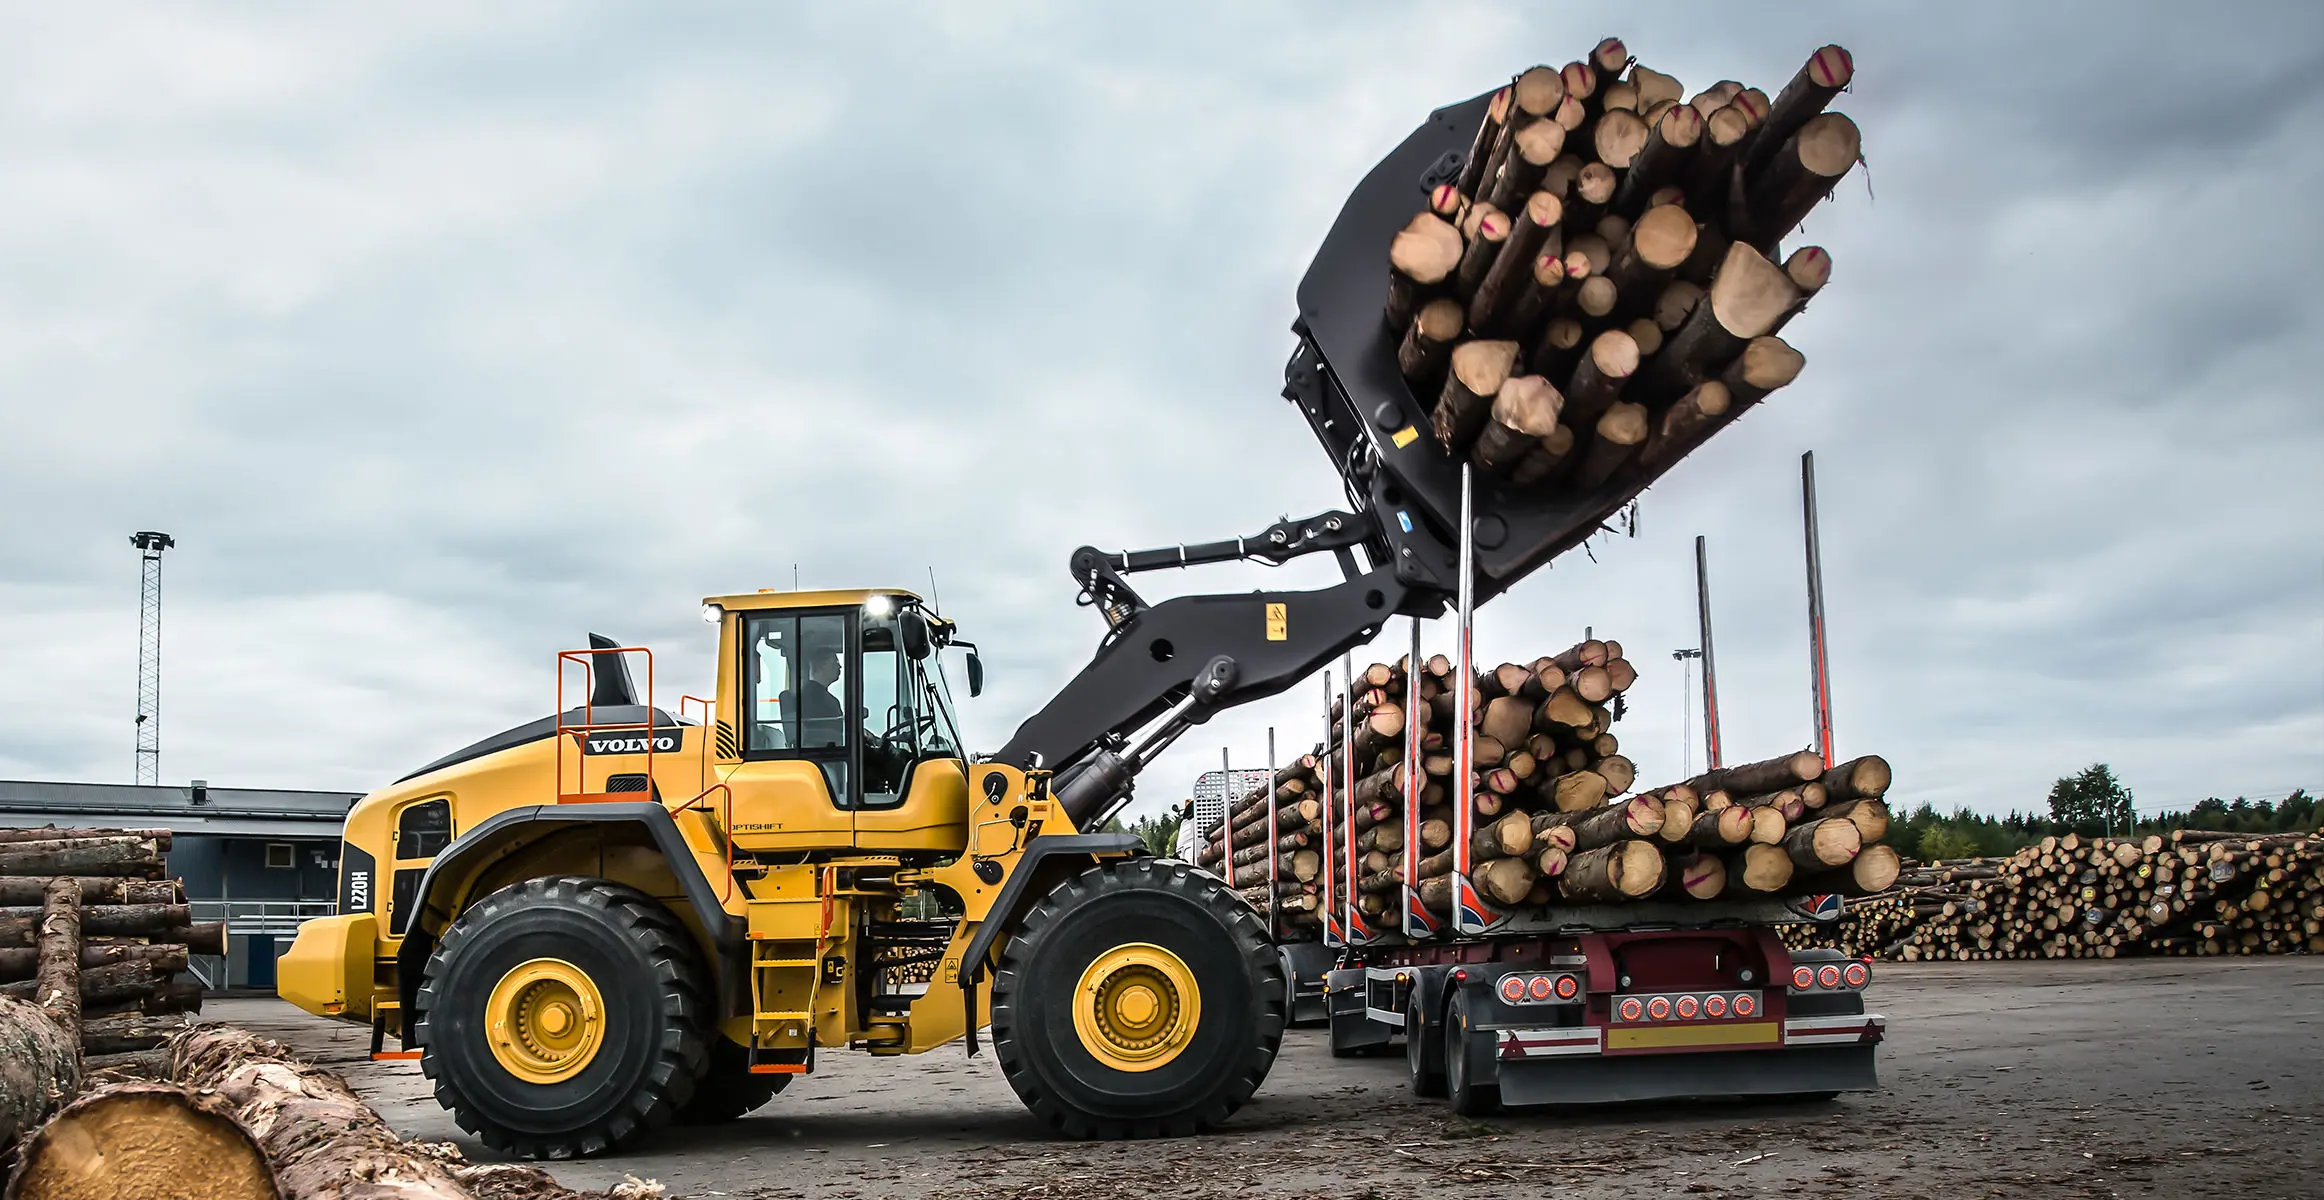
{"x": 131, "y": 1141}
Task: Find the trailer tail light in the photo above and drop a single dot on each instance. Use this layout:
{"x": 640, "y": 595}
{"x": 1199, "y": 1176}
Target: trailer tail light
{"x": 1632, "y": 1009}
{"x": 1803, "y": 978}
{"x": 1687, "y": 1007}
{"x": 1746, "y": 1004}
{"x": 1829, "y": 976}
{"x": 1857, "y": 974}
{"x": 1513, "y": 988}
{"x": 1567, "y": 987}
{"x": 1714, "y": 1007}
{"x": 1540, "y": 988}
{"x": 1658, "y": 1008}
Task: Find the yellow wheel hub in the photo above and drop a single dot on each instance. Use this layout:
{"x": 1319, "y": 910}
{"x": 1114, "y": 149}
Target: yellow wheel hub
{"x": 1136, "y": 1007}
{"x": 545, "y": 1020}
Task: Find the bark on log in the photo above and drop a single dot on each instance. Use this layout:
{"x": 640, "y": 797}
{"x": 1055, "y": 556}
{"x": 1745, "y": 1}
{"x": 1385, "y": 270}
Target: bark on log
{"x": 311, "y": 1126}
{"x": 1686, "y": 424}
{"x": 1870, "y": 817}
{"x": 1675, "y": 304}
{"x": 1478, "y": 371}
{"x": 1662, "y": 162}
{"x": 1805, "y": 171}
{"x": 1428, "y": 340}
{"x": 1420, "y": 260}
{"x": 1530, "y": 152}
{"x": 147, "y": 1141}
{"x": 129, "y": 1065}
{"x": 1747, "y": 298}
{"x": 20, "y": 926}
{"x": 1820, "y": 844}
{"x": 128, "y": 1034}
{"x": 1539, "y": 292}
{"x": 1871, "y": 872}
{"x": 1620, "y": 872}
{"x": 1637, "y": 817}
{"x": 1487, "y": 228}
{"x": 1620, "y": 432}
{"x": 1714, "y": 180}
{"x": 57, "y": 974}
{"x": 1768, "y": 775}
{"x": 1825, "y": 75}
{"x": 1597, "y": 381}
{"x": 1524, "y": 411}
{"x": 1656, "y": 246}
{"x": 21, "y": 963}
{"x": 1547, "y": 460}
{"x": 1488, "y": 134}
{"x": 1858, "y": 779}
{"x": 1766, "y": 364}
{"x": 124, "y": 856}
{"x": 112, "y": 984}
{"x": 1558, "y": 348}
{"x": 50, "y": 833}
{"x": 39, "y": 1068}
{"x": 1492, "y": 309}
{"x": 176, "y": 996}
{"x": 20, "y": 891}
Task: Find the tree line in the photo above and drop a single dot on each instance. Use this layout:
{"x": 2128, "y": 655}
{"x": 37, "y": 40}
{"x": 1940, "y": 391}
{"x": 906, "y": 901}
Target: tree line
{"x": 2094, "y": 803}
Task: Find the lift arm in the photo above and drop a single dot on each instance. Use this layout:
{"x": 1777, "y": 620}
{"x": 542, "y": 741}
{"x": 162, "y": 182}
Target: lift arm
{"x": 1163, "y": 668}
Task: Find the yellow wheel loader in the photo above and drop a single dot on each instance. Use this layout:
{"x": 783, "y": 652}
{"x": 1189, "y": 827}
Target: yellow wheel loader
{"x": 621, "y": 915}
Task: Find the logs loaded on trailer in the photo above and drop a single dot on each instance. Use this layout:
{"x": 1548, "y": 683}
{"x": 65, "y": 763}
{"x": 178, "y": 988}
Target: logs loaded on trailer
{"x": 2187, "y": 892}
{"x": 1602, "y": 286}
{"x": 1553, "y": 818}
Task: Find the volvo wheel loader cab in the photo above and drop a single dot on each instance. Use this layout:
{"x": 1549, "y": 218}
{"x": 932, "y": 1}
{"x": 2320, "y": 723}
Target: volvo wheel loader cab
{"x": 622, "y": 916}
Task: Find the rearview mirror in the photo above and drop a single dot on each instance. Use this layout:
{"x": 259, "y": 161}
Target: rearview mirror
{"x": 914, "y": 629}
{"x": 975, "y": 674}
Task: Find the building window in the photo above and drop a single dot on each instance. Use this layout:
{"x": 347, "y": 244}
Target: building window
{"x": 281, "y": 856}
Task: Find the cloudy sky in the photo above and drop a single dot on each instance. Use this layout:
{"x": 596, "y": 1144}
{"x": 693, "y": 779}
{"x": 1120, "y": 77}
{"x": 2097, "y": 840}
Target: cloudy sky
{"x": 440, "y": 335}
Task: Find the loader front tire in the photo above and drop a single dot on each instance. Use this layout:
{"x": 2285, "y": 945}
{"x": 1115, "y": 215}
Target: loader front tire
{"x": 563, "y": 1016}
{"x": 1138, "y": 999}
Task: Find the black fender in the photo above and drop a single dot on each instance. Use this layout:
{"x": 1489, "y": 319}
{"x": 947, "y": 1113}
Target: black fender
{"x": 1017, "y": 894}
{"x": 501, "y": 831}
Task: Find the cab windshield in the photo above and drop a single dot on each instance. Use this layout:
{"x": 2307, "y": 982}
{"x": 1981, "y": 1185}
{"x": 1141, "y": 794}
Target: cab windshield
{"x": 907, "y": 711}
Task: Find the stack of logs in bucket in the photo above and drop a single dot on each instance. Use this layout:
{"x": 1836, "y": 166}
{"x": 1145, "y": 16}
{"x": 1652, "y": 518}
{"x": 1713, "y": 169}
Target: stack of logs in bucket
{"x": 2183, "y": 893}
{"x": 1602, "y": 286}
{"x": 1551, "y": 818}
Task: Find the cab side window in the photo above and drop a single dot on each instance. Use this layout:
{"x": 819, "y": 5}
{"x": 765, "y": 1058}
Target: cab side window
{"x": 422, "y": 831}
{"x": 796, "y": 673}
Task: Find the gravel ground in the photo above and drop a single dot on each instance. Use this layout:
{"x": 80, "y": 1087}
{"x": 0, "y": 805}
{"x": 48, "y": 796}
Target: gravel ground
{"x": 2174, "y": 1077}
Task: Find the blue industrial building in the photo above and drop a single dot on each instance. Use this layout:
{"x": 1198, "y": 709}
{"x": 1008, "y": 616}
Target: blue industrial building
{"x": 260, "y": 859}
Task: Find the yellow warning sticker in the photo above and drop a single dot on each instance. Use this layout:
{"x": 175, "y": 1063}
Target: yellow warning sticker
{"x": 1404, "y": 437}
{"x": 1278, "y": 622}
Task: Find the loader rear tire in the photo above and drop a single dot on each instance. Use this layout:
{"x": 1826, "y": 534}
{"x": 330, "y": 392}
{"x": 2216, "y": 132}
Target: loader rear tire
{"x": 727, "y": 1090}
{"x": 1138, "y": 999}
{"x": 563, "y": 1016}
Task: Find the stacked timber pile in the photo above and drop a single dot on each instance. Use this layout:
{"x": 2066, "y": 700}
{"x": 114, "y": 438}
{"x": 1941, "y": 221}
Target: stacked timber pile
{"x": 1552, "y": 817}
{"x": 1602, "y": 286}
{"x": 86, "y": 912}
{"x": 2185, "y": 893}
{"x": 1295, "y": 797}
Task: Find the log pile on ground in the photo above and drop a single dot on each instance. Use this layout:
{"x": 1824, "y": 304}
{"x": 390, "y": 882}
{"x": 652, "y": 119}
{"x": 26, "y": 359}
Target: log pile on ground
{"x": 90, "y": 930}
{"x": 2183, "y": 893}
{"x": 1552, "y": 817}
{"x": 237, "y": 1118}
{"x": 1602, "y": 287}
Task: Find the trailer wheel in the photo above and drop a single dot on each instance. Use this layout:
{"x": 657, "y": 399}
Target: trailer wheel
{"x": 1469, "y": 1097}
{"x": 1423, "y": 1052}
{"x": 562, "y": 1016}
{"x": 1138, "y": 999}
